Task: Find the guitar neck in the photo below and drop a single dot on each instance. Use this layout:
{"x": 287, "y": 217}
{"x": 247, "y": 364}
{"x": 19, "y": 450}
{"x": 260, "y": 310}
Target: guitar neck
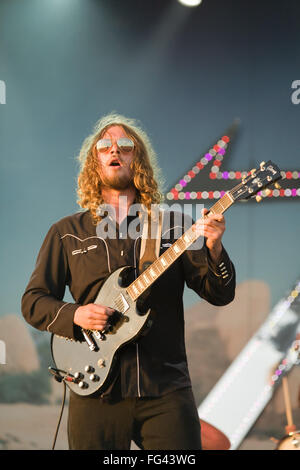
{"x": 161, "y": 264}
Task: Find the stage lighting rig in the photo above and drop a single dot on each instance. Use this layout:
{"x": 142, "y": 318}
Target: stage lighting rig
{"x": 190, "y": 3}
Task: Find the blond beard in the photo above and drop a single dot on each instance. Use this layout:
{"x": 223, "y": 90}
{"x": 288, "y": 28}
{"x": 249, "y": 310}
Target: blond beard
{"x": 118, "y": 182}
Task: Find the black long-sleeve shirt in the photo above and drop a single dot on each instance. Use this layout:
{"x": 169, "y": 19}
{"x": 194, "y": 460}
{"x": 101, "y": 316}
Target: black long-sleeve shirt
{"x": 74, "y": 255}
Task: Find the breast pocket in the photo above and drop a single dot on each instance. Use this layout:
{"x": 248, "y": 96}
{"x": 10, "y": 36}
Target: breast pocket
{"x": 83, "y": 251}
{"x": 90, "y": 261}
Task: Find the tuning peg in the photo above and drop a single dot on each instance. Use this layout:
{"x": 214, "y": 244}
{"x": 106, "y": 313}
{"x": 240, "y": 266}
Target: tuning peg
{"x": 253, "y": 171}
{"x": 262, "y": 165}
{"x": 258, "y": 198}
{"x": 277, "y": 186}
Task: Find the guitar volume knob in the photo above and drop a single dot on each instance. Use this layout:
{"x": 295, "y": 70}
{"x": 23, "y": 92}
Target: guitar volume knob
{"x": 89, "y": 369}
{"x": 78, "y": 375}
{"x": 83, "y": 384}
{"x": 94, "y": 378}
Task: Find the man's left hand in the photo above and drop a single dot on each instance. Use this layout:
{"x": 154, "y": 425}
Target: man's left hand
{"x": 211, "y": 226}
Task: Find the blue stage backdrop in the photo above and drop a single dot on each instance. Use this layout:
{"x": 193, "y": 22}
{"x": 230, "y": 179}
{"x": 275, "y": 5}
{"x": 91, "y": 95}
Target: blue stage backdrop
{"x": 186, "y": 74}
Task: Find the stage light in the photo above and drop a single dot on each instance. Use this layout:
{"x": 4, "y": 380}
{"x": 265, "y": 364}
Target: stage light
{"x": 190, "y": 3}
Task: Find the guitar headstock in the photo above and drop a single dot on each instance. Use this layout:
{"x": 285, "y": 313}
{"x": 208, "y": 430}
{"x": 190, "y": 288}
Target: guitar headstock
{"x": 258, "y": 180}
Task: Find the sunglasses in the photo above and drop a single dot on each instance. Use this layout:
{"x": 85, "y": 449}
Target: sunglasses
{"x": 125, "y": 144}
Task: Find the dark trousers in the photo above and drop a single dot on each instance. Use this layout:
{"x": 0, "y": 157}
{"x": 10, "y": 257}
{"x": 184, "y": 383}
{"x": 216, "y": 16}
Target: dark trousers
{"x": 170, "y": 422}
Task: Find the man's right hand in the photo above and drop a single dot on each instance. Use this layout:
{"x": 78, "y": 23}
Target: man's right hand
{"x": 92, "y": 316}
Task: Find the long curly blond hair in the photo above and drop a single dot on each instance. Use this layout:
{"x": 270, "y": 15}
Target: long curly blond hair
{"x": 146, "y": 179}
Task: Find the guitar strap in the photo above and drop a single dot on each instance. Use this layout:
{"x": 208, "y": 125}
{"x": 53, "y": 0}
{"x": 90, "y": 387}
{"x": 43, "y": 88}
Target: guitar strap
{"x": 151, "y": 236}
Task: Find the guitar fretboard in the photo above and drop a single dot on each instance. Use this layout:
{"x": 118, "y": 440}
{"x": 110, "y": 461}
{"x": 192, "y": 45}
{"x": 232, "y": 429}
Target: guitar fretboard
{"x": 161, "y": 264}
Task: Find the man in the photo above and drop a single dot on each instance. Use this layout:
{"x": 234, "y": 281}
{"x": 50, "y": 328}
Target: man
{"x": 149, "y": 399}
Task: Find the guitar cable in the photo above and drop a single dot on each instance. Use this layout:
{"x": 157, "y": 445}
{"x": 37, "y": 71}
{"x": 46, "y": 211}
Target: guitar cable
{"x": 60, "y": 379}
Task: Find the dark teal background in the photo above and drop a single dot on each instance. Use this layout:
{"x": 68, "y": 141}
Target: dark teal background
{"x": 185, "y": 74}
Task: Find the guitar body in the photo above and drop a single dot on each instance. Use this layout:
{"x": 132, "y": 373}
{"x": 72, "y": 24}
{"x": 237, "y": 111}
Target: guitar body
{"x": 92, "y": 368}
